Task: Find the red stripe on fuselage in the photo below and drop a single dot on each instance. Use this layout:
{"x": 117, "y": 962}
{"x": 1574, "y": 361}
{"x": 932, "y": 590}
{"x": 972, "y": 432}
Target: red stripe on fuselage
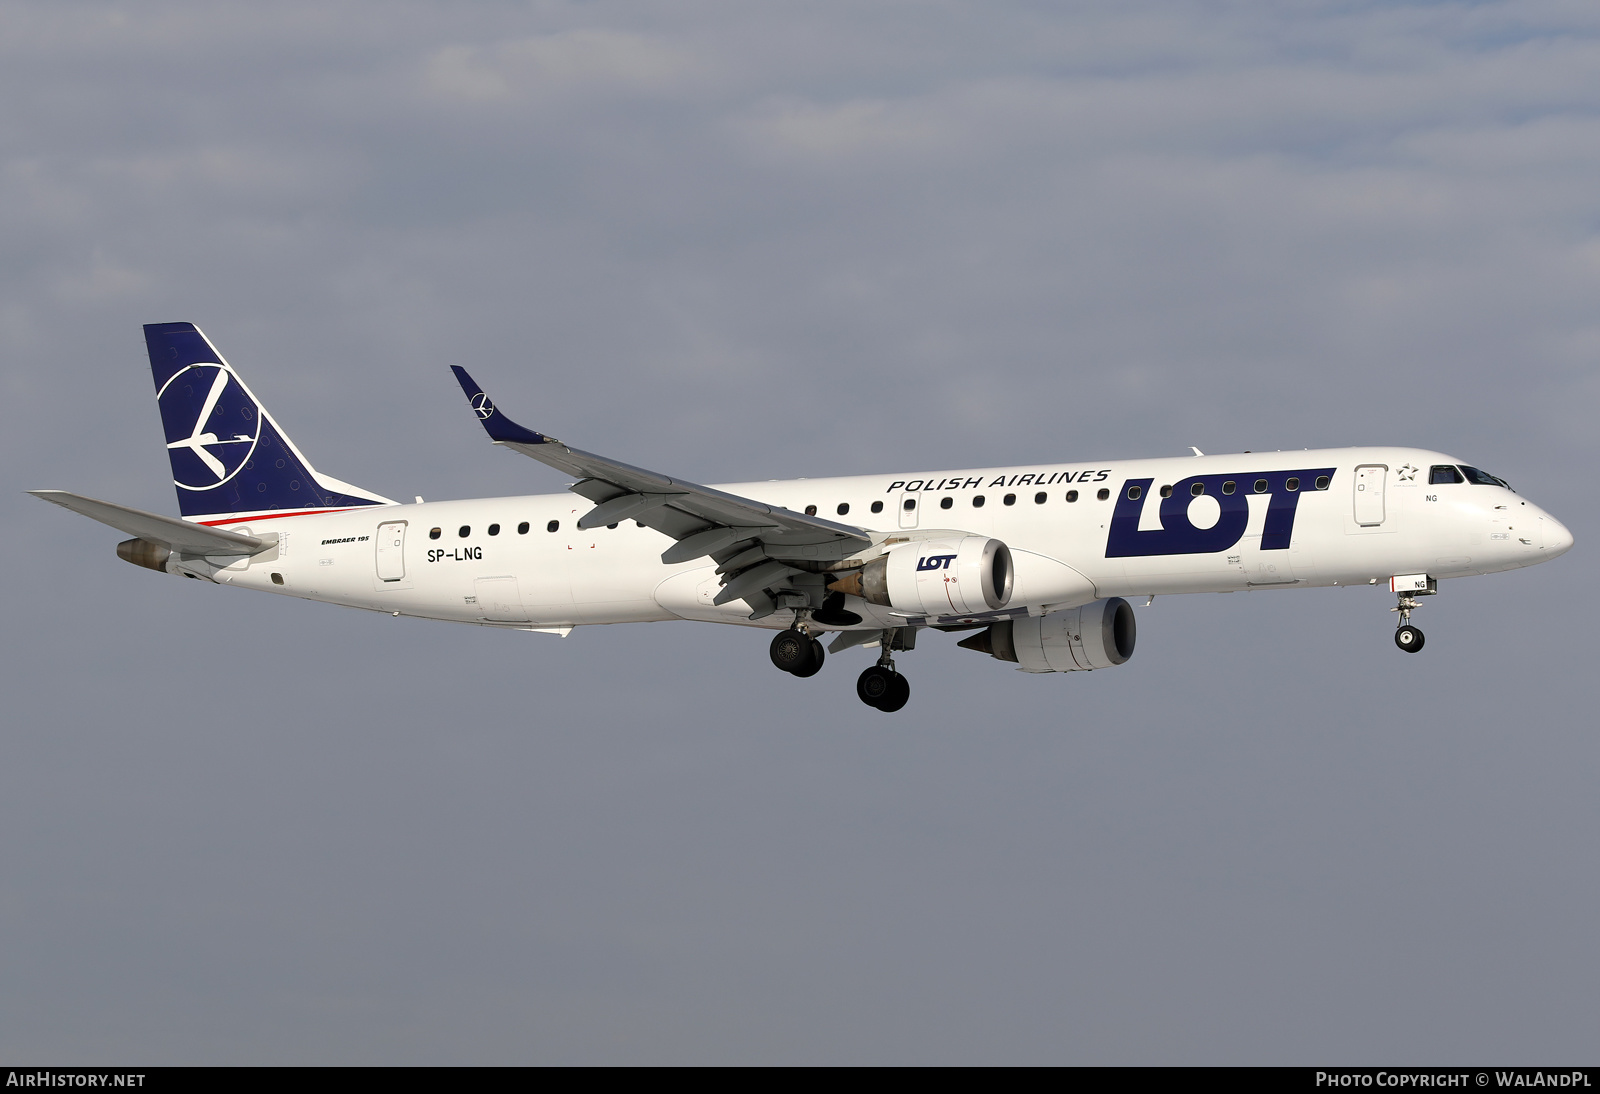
{"x": 276, "y": 516}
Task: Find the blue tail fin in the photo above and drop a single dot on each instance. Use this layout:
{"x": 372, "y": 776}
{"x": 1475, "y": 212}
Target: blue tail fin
{"x": 230, "y": 460}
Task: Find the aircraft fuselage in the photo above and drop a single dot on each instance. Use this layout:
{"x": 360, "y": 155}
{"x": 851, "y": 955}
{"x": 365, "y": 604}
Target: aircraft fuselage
{"x": 523, "y": 561}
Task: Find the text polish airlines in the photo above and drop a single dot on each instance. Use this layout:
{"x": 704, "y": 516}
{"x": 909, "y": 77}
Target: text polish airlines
{"x": 1036, "y": 562}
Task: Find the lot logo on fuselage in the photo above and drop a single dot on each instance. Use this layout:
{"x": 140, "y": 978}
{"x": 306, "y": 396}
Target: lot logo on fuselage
{"x": 212, "y": 425}
{"x": 1180, "y": 535}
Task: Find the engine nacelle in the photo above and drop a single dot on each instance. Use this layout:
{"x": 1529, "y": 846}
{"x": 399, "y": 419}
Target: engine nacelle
{"x": 955, "y": 576}
{"x": 1095, "y": 636}
{"x": 152, "y": 556}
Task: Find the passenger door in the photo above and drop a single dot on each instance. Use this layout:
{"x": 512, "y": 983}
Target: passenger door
{"x": 1369, "y": 494}
{"x": 391, "y": 548}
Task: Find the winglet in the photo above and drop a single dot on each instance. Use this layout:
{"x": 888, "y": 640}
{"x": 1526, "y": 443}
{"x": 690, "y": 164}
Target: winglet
{"x": 500, "y": 428}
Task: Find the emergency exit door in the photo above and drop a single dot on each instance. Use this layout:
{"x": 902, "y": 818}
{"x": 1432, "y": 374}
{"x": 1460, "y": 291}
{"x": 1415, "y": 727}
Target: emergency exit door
{"x": 1369, "y": 494}
{"x": 909, "y": 504}
{"x": 391, "y": 547}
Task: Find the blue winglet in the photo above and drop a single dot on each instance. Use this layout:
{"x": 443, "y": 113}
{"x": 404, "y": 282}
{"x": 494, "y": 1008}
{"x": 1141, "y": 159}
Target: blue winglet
{"x": 496, "y": 424}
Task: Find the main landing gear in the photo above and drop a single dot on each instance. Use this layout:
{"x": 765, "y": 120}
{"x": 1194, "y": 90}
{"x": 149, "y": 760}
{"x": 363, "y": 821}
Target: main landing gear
{"x": 796, "y": 652}
{"x": 882, "y": 687}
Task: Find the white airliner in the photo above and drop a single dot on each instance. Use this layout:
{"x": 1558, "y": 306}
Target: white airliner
{"x": 1036, "y": 561}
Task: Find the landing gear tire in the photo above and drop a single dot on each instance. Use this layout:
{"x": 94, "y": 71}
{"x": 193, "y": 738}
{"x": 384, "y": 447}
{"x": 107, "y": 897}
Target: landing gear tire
{"x": 795, "y": 652}
{"x": 1409, "y": 638}
{"x": 872, "y": 686}
{"x": 883, "y": 688}
{"x": 899, "y": 694}
{"x": 815, "y": 664}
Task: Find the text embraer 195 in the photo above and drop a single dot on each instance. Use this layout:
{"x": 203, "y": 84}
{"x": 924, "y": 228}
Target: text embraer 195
{"x": 1035, "y": 561}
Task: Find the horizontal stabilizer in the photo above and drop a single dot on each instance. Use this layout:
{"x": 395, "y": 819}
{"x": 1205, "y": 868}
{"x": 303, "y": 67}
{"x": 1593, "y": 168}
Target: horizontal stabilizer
{"x": 176, "y": 535}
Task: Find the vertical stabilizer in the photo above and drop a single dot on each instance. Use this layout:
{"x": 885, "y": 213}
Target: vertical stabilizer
{"x": 230, "y": 460}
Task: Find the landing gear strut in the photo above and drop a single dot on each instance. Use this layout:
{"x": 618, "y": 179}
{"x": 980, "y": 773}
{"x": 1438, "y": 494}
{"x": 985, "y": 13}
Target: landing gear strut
{"x": 881, "y": 686}
{"x": 1406, "y": 636}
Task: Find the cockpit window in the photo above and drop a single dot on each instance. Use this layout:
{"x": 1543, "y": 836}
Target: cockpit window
{"x": 1483, "y": 478}
{"x": 1442, "y": 473}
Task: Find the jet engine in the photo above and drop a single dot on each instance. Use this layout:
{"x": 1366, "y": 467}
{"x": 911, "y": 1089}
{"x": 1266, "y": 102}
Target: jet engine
{"x": 959, "y": 575}
{"x": 152, "y": 556}
{"x": 1095, "y": 636}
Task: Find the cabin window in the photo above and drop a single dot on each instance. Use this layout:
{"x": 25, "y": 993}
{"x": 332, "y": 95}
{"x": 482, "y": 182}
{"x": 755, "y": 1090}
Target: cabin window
{"x": 522, "y": 529}
{"x": 977, "y": 502}
{"x": 945, "y": 503}
{"x": 1166, "y": 491}
{"x": 844, "y": 507}
{"x": 1292, "y": 484}
{"x": 1197, "y": 489}
{"x": 1102, "y": 493}
{"x": 811, "y": 510}
{"x": 1261, "y": 486}
{"x": 909, "y": 504}
{"x": 1072, "y": 495}
{"x": 1322, "y": 482}
{"x": 1009, "y": 499}
{"x": 435, "y": 533}
{"x": 464, "y": 531}
{"x": 494, "y": 529}
{"x": 1038, "y": 499}
{"x": 611, "y": 526}
{"x": 553, "y": 526}
{"x": 1229, "y": 487}
{"x": 1133, "y": 493}
{"x": 877, "y": 507}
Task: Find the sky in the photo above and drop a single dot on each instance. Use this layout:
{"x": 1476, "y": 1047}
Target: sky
{"x": 734, "y": 242}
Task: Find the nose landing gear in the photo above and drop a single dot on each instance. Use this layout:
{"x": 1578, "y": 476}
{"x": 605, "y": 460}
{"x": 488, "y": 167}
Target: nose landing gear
{"x": 1407, "y": 589}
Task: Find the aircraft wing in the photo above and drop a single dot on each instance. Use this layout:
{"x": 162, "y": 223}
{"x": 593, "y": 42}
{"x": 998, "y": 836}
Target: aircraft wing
{"x": 750, "y": 538}
{"x": 176, "y": 535}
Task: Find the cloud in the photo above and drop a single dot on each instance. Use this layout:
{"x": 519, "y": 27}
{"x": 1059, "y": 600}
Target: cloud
{"x": 590, "y": 60}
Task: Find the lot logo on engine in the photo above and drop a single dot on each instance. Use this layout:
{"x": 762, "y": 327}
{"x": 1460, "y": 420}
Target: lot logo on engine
{"x": 935, "y": 562}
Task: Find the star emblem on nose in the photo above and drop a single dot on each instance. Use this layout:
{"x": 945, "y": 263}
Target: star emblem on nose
{"x": 1407, "y": 473}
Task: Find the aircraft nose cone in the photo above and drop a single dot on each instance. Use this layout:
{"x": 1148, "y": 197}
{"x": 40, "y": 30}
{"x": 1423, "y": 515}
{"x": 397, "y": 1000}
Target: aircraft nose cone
{"x": 1557, "y": 540}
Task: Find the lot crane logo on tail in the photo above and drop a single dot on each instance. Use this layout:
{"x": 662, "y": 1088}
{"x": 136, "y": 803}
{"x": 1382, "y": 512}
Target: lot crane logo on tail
{"x": 229, "y": 458}
{"x": 212, "y": 425}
